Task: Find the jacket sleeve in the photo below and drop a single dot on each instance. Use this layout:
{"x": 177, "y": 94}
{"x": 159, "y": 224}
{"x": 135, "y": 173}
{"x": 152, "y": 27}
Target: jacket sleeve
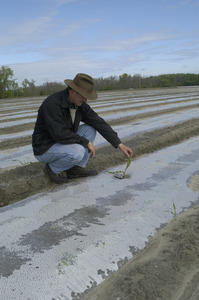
{"x": 59, "y": 130}
{"x": 91, "y": 118}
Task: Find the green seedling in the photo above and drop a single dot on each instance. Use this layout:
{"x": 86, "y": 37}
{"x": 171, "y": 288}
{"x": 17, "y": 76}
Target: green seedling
{"x": 173, "y": 212}
{"x": 68, "y": 260}
{"x": 99, "y": 242}
{"x": 23, "y": 163}
{"x": 122, "y": 174}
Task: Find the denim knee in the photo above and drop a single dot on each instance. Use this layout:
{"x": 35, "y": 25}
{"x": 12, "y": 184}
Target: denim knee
{"x": 87, "y": 131}
{"x": 78, "y": 154}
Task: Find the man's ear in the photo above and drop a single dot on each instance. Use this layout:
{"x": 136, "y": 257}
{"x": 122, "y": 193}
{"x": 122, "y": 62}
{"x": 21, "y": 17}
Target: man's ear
{"x": 70, "y": 91}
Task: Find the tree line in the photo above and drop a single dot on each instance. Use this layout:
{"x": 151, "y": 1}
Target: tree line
{"x": 9, "y": 88}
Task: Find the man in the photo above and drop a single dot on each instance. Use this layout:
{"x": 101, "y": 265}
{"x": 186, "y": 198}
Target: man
{"x": 58, "y": 138}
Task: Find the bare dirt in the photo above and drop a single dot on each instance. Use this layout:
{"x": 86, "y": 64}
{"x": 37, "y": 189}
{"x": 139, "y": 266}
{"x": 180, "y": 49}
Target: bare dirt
{"x": 23, "y": 181}
{"x": 167, "y": 268}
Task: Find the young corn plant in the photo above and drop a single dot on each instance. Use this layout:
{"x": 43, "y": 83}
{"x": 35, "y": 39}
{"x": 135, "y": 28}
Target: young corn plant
{"x": 122, "y": 174}
{"x": 172, "y": 211}
{"x": 23, "y": 163}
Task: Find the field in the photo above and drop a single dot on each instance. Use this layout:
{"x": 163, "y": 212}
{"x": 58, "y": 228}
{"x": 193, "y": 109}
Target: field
{"x": 103, "y": 238}
{"x": 145, "y": 120}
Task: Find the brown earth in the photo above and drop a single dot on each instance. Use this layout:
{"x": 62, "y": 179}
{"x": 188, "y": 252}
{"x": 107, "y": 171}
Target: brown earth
{"x": 166, "y": 269}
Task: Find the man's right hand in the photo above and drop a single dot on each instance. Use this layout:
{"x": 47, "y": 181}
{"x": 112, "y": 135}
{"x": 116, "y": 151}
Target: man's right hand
{"x": 126, "y": 150}
{"x": 91, "y": 149}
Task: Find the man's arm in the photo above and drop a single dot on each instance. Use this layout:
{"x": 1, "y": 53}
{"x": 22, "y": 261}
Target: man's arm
{"x": 91, "y": 118}
{"x": 125, "y": 149}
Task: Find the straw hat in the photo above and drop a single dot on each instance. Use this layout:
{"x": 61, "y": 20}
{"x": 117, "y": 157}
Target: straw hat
{"x": 84, "y": 85}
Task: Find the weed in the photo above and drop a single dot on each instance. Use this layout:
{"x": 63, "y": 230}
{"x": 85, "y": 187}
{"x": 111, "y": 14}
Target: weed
{"x": 23, "y": 163}
{"x": 172, "y": 211}
{"x": 68, "y": 260}
{"x": 100, "y": 242}
{"x": 122, "y": 174}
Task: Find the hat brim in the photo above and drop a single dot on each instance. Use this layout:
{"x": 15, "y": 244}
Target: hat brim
{"x": 89, "y": 96}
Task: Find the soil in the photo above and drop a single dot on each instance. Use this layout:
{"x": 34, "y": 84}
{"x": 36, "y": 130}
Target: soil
{"x": 168, "y": 267}
{"x": 23, "y": 181}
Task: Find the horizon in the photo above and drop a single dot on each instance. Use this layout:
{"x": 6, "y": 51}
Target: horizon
{"x": 117, "y": 76}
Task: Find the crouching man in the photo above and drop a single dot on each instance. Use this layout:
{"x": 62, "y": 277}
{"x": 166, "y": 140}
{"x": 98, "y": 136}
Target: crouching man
{"x": 60, "y": 141}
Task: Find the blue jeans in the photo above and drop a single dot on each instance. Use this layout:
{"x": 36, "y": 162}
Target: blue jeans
{"x": 62, "y": 157}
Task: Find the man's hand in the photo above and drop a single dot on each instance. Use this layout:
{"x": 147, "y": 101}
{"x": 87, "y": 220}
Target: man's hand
{"x": 126, "y": 150}
{"x": 91, "y": 149}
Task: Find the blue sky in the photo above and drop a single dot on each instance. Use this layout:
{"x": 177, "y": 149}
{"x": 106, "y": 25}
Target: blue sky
{"x": 51, "y": 40}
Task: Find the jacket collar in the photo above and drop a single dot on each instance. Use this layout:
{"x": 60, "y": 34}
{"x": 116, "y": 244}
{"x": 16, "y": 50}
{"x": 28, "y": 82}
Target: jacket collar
{"x": 65, "y": 103}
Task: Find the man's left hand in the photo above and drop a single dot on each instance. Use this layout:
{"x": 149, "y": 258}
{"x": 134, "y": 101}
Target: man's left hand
{"x": 91, "y": 149}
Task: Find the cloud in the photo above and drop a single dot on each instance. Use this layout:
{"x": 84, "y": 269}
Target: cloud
{"x": 58, "y": 3}
{"x": 25, "y": 33}
{"x": 193, "y": 3}
{"x": 181, "y": 4}
{"x": 103, "y": 57}
{"x": 67, "y": 66}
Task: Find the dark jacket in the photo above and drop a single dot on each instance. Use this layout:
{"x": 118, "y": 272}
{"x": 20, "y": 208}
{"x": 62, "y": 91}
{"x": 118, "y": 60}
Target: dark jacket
{"x": 54, "y": 124}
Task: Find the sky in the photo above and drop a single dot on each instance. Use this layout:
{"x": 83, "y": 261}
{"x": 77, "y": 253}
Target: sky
{"x": 53, "y": 40}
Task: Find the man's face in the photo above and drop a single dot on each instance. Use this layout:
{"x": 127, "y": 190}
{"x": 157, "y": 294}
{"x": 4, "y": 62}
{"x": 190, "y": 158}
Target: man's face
{"x": 76, "y": 98}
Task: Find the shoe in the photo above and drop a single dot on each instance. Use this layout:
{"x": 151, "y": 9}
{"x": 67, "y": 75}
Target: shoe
{"x": 76, "y": 172}
{"x": 57, "y": 178}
